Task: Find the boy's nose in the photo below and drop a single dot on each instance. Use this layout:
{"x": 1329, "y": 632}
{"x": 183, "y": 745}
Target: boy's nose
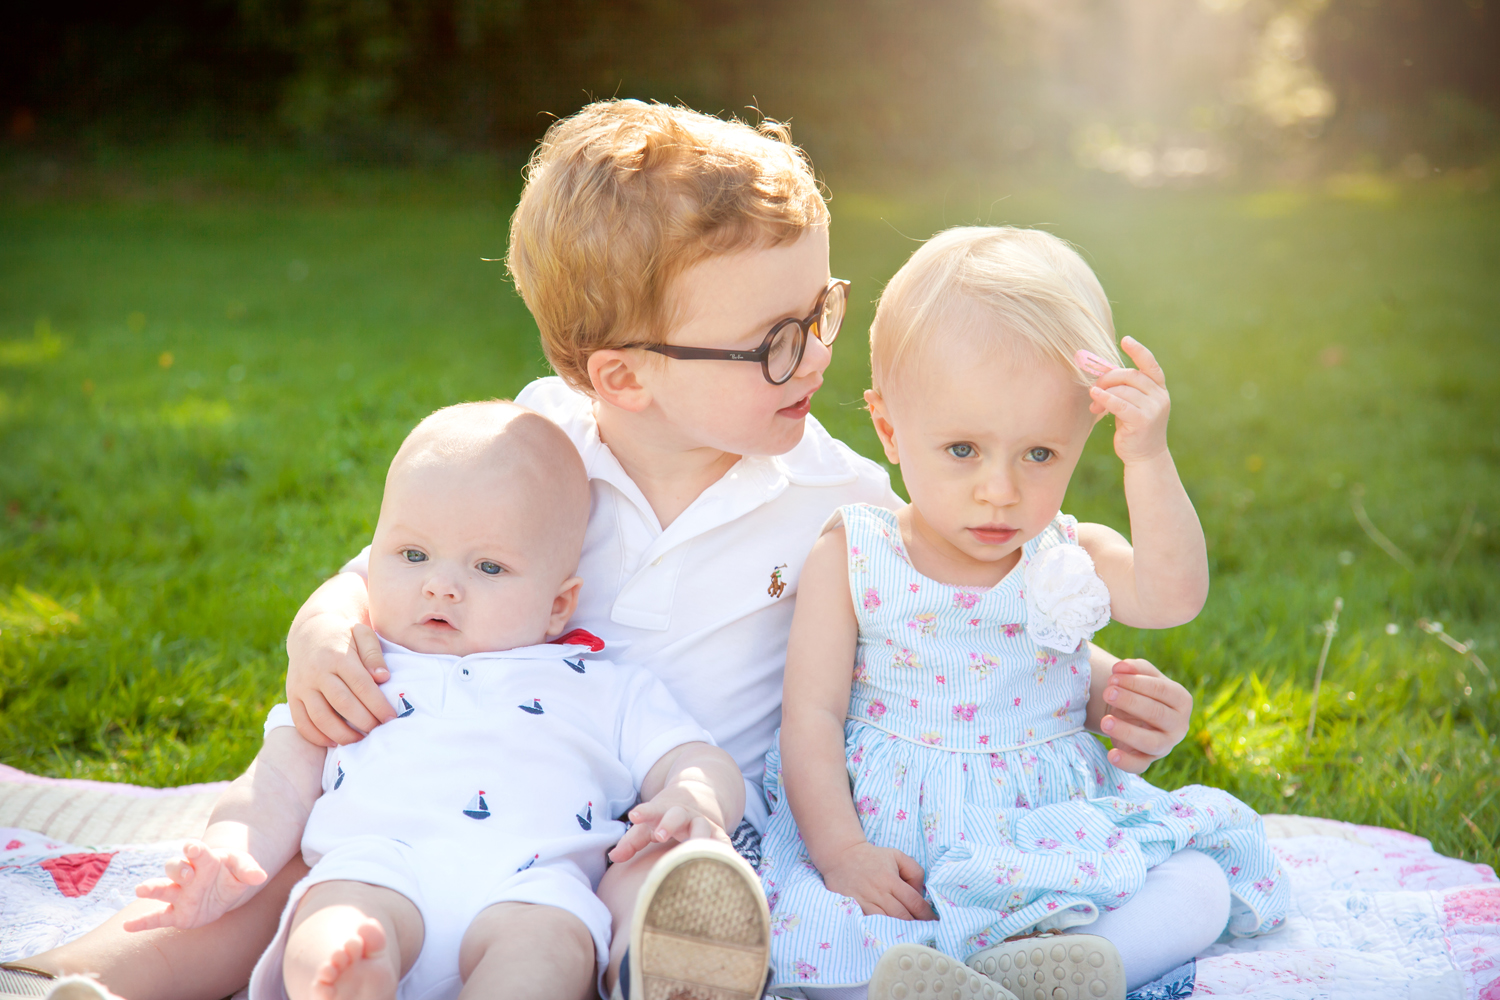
{"x": 816, "y": 357}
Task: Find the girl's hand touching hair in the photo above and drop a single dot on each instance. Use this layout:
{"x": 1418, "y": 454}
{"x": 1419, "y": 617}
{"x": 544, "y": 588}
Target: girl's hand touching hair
{"x": 1137, "y": 397}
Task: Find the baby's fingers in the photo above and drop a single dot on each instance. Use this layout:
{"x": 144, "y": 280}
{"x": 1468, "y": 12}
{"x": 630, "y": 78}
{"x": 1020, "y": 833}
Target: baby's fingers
{"x": 635, "y": 838}
{"x": 1144, "y": 360}
{"x": 150, "y": 921}
{"x": 244, "y": 869}
{"x": 163, "y": 889}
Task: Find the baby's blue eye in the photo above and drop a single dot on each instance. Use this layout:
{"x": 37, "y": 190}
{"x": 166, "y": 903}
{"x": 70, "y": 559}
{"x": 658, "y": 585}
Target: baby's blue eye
{"x": 414, "y": 555}
{"x": 1039, "y": 454}
{"x": 491, "y": 568}
{"x": 961, "y": 450}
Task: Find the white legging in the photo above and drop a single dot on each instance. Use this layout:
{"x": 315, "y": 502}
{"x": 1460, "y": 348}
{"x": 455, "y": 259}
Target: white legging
{"x": 1180, "y": 910}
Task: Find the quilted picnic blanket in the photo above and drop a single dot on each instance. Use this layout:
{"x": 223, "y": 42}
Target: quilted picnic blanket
{"x": 1376, "y": 914}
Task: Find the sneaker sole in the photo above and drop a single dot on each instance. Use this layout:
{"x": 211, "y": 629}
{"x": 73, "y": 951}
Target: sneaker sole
{"x": 1061, "y": 967}
{"x": 702, "y": 930}
{"x": 912, "y": 971}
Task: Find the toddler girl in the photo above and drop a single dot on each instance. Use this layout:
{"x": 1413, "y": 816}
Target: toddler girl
{"x": 980, "y": 809}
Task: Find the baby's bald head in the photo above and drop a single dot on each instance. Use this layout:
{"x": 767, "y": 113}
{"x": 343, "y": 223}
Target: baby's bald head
{"x": 481, "y": 529}
{"x": 499, "y": 445}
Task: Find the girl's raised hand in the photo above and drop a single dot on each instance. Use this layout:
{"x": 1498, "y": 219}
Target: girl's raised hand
{"x": 881, "y": 879}
{"x": 1137, "y": 397}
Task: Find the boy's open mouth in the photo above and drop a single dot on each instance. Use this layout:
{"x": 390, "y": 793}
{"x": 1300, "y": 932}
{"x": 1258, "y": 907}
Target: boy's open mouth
{"x": 797, "y": 410}
{"x": 436, "y": 621}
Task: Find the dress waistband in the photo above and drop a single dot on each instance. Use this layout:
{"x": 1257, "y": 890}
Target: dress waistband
{"x": 983, "y": 750}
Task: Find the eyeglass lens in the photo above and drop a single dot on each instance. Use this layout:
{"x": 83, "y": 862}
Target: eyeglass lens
{"x": 789, "y": 342}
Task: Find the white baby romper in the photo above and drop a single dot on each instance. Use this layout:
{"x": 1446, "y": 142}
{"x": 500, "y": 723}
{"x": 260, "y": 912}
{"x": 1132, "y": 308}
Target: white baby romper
{"x": 499, "y": 780}
{"x": 966, "y": 749}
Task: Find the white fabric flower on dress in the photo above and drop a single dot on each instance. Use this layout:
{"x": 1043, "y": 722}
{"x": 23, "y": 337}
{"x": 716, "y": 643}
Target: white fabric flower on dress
{"x": 1066, "y": 602}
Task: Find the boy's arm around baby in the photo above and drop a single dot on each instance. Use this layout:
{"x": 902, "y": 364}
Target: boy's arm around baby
{"x": 255, "y": 828}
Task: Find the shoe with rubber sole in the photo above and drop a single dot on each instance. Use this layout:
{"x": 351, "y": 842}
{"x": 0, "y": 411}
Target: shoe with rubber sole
{"x": 917, "y": 972}
{"x": 1055, "y": 967}
{"x": 701, "y": 930}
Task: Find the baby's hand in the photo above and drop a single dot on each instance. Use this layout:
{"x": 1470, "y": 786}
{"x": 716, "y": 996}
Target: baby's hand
{"x": 881, "y": 879}
{"x": 199, "y": 888}
{"x": 666, "y": 817}
{"x": 1138, "y": 399}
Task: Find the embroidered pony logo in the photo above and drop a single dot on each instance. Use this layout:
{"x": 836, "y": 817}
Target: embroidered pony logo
{"x": 778, "y": 585}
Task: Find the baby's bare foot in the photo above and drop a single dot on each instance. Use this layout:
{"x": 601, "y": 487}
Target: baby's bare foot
{"x": 357, "y": 968}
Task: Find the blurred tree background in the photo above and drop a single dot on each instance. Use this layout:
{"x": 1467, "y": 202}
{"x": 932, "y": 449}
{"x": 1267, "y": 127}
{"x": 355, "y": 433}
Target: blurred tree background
{"x": 1159, "y": 91}
{"x": 246, "y": 244}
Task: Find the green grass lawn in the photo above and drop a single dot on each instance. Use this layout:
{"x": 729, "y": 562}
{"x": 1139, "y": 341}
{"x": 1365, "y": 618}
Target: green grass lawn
{"x": 207, "y": 361}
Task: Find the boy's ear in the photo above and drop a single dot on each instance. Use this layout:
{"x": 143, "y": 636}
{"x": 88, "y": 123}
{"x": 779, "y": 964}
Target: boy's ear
{"x": 882, "y": 421}
{"x": 616, "y": 380}
{"x": 563, "y": 606}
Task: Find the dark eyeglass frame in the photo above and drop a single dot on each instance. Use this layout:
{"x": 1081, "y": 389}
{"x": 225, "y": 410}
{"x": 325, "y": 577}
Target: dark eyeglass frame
{"x": 762, "y": 354}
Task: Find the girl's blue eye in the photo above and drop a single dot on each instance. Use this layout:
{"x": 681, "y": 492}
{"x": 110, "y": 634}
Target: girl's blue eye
{"x": 491, "y": 568}
{"x": 414, "y": 555}
{"x": 961, "y": 450}
{"x": 1039, "y": 454}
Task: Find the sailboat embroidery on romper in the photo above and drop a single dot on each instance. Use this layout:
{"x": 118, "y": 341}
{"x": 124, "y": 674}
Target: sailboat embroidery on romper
{"x": 586, "y": 819}
{"x": 340, "y": 779}
{"x": 477, "y": 807}
{"x": 529, "y": 863}
{"x": 406, "y": 706}
{"x": 577, "y": 667}
{"x": 535, "y": 708}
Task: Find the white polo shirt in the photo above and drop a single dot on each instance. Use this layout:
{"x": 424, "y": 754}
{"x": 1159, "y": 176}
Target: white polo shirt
{"x": 696, "y": 603}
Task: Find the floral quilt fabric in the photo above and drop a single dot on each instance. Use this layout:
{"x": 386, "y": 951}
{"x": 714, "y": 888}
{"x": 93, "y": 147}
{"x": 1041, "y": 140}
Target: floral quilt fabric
{"x": 1375, "y": 913}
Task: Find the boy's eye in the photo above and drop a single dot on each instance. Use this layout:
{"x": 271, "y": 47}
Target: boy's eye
{"x": 1039, "y": 454}
{"x": 414, "y": 555}
{"x": 491, "y": 568}
{"x": 961, "y": 450}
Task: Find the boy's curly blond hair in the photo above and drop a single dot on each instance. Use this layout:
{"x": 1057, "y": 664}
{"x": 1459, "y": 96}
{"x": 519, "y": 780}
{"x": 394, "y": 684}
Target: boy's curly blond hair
{"x": 623, "y": 196}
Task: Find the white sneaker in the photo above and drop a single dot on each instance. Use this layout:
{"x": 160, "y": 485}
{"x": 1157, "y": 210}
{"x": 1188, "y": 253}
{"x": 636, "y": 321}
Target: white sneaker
{"x": 80, "y": 988}
{"x": 701, "y": 930}
{"x": 913, "y": 971}
{"x": 1055, "y": 967}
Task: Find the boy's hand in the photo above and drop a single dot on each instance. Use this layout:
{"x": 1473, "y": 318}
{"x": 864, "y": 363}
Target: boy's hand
{"x": 1149, "y": 714}
{"x": 333, "y": 669}
{"x": 199, "y": 888}
{"x": 1138, "y": 399}
{"x": 666, "y": 817}
{"x": 881, "y": 880}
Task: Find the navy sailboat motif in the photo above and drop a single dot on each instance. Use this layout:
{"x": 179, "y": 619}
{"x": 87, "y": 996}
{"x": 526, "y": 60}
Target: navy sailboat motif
{"x": 535, "y": 708}
{"x": 340, "y": 779}
{"x": 529, "y": 863}
{"x": 406, "y": 706}
{"x": 577, "y": 667}
{"x": 586, "y": 819}
{"x": 477, "y": 807}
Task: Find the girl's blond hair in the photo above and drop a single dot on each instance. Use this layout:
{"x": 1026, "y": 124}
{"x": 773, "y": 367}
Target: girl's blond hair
{"x": 1011, "y": 287}
{"x": 623, "y": 196}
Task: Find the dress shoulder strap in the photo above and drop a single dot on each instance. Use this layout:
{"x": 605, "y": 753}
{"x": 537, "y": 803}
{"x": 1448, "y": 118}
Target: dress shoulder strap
{"x": 877, "y": 556}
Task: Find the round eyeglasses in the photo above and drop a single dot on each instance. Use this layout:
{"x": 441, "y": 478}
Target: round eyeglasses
{"x": 781, "y": 352}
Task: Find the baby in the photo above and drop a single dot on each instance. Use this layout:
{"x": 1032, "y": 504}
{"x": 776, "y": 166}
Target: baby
{"x": 459, "y": 845}
{"x": 980, "y": 808}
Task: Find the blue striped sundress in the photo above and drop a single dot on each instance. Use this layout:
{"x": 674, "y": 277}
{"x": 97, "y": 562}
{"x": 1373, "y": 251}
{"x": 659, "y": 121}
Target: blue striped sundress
{"x": 966, "y": 750}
